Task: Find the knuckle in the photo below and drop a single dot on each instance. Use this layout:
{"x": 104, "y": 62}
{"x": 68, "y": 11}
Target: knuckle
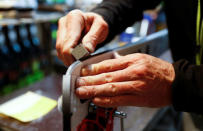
{"x": 140, "y": 55}
{"x": 142, "y": 71}
{"x": 143, "y": 68}
{"x": 108, "y": 78}
{"x": 93, "y": 38}
{"x": 113, "y": 88}
{"x": 74, "y": 38}
{"x": 94, "y": 91}
{"x": 65, "y": 51}
{"x": 109, "y": 101}
{"x": 58, "y": 46}
{"x": 61, "y": 20}
{"x": 74, "y": 12}
{"x": 94, "y": 67}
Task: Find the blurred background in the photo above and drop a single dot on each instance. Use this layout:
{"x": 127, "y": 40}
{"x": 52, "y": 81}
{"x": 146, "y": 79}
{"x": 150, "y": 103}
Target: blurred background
{"x": 28, "y": 37}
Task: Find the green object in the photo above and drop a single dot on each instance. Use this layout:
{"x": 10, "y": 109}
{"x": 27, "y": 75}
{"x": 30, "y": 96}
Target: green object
{"x": 25, "y": 81}
{"x": 22, "y": 83}
{"x": 8, "y": 89}
{"x": 29, "y": 79}
{"x": 53, "y": 34}
{"x": 199, "y": 34}
{"x": 38, "y": 75}
{"x": 60, "y": 1}
{"x": 35, "y": 65}
{"x": 54, "y": 21}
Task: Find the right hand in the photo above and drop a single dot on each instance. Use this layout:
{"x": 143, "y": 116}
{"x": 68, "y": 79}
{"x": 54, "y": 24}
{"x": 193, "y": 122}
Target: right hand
{"x": 77, "y": 26}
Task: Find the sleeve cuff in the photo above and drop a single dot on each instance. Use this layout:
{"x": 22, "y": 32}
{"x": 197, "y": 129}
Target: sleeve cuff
{"x": 185, "y": 93}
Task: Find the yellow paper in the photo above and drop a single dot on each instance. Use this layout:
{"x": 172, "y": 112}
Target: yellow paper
{"x": 28, "y": 107}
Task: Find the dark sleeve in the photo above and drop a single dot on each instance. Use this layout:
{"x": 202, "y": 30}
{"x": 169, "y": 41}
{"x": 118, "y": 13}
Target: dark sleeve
{"x": 187, "y": 88}
{"x": 120, "y": 14}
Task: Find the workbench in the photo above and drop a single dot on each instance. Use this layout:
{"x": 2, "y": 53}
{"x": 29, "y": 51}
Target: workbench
{"x": 50, "y": 86}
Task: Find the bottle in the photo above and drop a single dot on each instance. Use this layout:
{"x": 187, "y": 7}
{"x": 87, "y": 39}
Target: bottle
{"x": 147, "y": 25}
{"x": 4, "y": 57}
{"x": 24, "y": 42}
{"x": 14, "y": 53}
{"x": 33, "y": 38}
{"x": 127, "y": 35}
{"x": 27, "y": 51}
{"x": 54, "y": 28}
{"x": 39, "y": 57}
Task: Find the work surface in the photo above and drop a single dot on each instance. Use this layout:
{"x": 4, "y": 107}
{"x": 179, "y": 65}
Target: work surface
{"x": 50, "y": 86}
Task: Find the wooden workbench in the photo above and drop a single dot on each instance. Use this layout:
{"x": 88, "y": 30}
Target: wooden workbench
{"x": 50, "y": 87}
{"x": 137, "y": 119}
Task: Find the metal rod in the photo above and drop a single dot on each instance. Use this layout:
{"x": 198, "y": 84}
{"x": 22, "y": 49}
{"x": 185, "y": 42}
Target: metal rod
{"x": 122, "y": 124}
{"x": 66, "y": 123}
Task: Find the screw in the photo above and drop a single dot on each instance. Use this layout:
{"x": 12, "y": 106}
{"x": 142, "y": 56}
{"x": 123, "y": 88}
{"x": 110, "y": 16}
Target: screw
{"x": 120, "y": 114}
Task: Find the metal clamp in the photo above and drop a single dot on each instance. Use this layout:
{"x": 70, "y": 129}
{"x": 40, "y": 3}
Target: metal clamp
{"x": 119, "y": 114}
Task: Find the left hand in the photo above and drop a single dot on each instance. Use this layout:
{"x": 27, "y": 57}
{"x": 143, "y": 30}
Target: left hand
{"x": 132, "y": 80}
{"x": 77, "y": 26}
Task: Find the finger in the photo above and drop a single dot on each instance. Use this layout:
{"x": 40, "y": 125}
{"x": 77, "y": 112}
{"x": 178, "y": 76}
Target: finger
{"x": 68, "y": 60}
{"x": 110, "y": 89}
{"x": 59, "y": 56}
{"x": 105, "y": 66}
{"x": 67, "y": 63}
{"x": 119, "y": 63}
{"x": 116, "y": 76}
{"x": 124, "y": 100}
{"x": 132, "y": 100}
{"x": 97, "y": 32}
{"x": 69, "y": 33}
{"x": 60, "y": 35}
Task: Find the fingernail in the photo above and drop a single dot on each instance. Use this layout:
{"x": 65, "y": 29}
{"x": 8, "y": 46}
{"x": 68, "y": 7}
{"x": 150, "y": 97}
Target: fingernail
{"x": 81, "y": 91}
{"x": 89, "y": 46}
{"x": 80, "y": 82}
{"x": 70, "y": 50}
{"x": 96, "y": 99}
{"x": 86, "y": 70}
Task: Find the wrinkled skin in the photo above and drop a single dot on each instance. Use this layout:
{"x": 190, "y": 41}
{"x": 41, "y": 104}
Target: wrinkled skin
{"x": 78, "y": 27}
{"x": 132, "y": 80}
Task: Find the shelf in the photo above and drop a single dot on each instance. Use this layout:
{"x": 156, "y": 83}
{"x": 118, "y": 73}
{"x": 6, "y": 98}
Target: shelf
{"x": 37, "y": 17}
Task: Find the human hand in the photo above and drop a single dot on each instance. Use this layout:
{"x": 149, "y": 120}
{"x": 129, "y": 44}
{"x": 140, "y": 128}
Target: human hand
{"x": 132, "y": 80}
{"x": 77, "y": 26}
